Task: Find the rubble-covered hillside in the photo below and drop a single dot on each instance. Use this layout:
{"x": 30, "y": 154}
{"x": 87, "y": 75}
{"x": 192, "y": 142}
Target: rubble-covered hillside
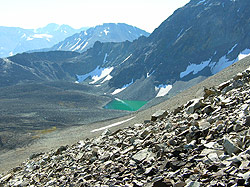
{"x": 205, "y": 142}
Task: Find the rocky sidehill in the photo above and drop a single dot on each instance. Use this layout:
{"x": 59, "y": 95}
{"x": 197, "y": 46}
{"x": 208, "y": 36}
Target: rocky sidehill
{"x": 204, "y": 142}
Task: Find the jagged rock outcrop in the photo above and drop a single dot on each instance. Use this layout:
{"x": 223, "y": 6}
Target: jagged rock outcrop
{"x": 208, "y": 145}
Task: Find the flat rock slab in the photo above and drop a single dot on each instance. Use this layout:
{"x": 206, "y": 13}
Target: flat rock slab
{"x": 159, "y": 114}
{"x": 230, "y": 147}
{"x": 141, "y": 155}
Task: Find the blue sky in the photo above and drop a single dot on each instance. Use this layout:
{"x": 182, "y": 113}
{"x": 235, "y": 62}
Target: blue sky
{"x": 145, "y": 14}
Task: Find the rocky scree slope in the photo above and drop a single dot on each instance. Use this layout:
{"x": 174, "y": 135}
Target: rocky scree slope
{"x": 204, "y": 142}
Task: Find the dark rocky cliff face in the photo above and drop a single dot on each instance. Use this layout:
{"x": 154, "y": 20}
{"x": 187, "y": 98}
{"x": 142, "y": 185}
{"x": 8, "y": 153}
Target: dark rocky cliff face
{"x": 197, "y": 32}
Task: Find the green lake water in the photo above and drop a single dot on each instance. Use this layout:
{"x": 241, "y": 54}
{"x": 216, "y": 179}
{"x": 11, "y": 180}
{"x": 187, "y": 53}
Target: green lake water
{"x": 129, "y": 105}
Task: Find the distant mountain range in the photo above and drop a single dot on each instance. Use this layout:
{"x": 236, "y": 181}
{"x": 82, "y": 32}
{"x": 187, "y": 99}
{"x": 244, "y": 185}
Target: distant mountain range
{"x": 108, "y": 32}
{"x": 15, "y": 40}
{"x": 198, "y": 40}
{"x": 43, "y": 89}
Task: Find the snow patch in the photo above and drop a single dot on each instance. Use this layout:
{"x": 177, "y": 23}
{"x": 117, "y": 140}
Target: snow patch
{"x": 39, "y": 36}
{"x": 29, "y": 39}
{"x": 96, "y": 75}
{"x": 23, "y": 36}
{"x": 200, "y": 2}
{"x": 109, "y": 77}
{"x": 179, "y": 33}
{"x": 123, "y": 88}
{"x": 67, "y": 44}
{"x": 105, "y": 58}
{"x": 163, "y": 90}
{"x": 59, "y": 48}
{"x": 79, "y": 46}
{"x": 224, "y": 62}
{"x": 79, "y": 39}
{"x": 84, "y": 45}
{"x": 103, "y": 72}
{"x": 232, "y": 49}
{"x": 42, "y": 36}
{"x": 215, "y": 67}
{"x": 195, "y": 68}
{"x": 126, "y": 58}
{"x": 244, "y": 54}
{"x": 106, "y": 31}
{"x": 149, "y": 74}
{"x": 221, "y": 64}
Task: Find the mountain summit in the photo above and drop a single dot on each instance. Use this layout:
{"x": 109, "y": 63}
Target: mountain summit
{"x": 15, "y": 40}
{"x": 108, "y": 32}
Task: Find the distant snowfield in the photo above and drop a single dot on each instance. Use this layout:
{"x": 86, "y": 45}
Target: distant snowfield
{"x": 104, "y": 72}
{"x": 215, "y": 67}
{"x": 221, "y": 64}
{"x": 46, "y": 36}
{"x": 108, "y": 77}
{"x": 96, "y": 75}
{"x": 126, "y": 59}
{"x": 200, "y": 2}
{"x": 42, "y": 36}
{"x": 84, "y": 45}
{"x": 121, "y": 89}
{"x": 194, "y": 68}
{"x": 106, "y": 31}
{"x": 244, "y": 54}
{"x": 79, "y": 39}
{"x": 163, "y": 90}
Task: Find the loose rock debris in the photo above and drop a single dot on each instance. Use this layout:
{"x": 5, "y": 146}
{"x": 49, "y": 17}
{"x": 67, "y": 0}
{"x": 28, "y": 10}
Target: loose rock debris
{"x": 205, "y": 142}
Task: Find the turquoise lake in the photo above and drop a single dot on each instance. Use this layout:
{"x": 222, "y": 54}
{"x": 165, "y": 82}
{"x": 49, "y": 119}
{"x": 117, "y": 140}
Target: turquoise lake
{"x": 128, "y": 105}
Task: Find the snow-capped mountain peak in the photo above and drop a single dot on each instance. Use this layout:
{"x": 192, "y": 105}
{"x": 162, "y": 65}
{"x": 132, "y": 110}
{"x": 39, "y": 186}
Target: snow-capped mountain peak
{"x": 17, "y": 40}
{"x": 108, "y": 32}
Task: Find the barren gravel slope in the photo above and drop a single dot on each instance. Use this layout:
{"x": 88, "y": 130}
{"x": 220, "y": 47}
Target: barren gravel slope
{"x": 71, "y": 135}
